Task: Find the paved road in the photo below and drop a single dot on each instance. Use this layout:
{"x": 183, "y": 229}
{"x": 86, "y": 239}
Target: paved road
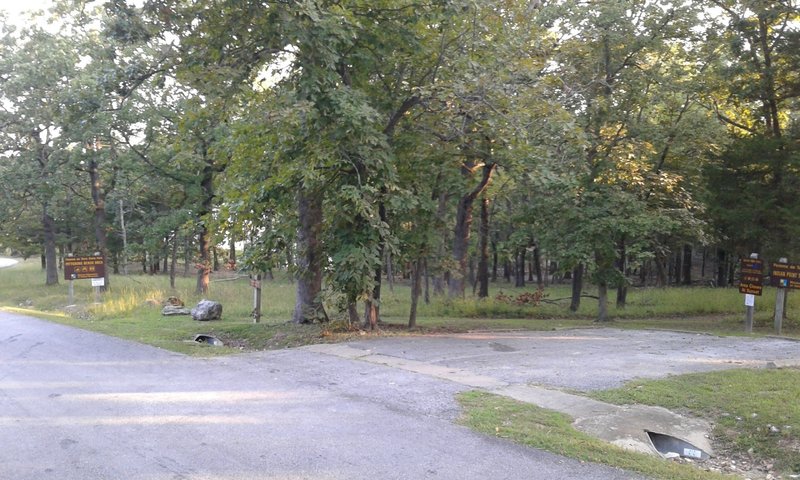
{"x": 7, "y": 262}
{"x": 586, "y": 359}
{"x": 83, "y": 406}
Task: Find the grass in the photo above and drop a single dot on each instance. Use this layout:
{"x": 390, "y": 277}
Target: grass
{"x": 742, "y": 404}
{"x": 552, "y": 431}
{"x": 131, "y": 309}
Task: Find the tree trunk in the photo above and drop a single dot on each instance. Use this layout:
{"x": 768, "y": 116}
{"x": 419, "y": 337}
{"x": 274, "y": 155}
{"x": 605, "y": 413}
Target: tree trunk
{"x": 643, "y": 274}
{"x": 187, "y": 255}
{"x": 173, "y": 264}
{"x": 661, "y": 274}
{"x": 471, "y": 278}
{"x": 427, "y": 284}
{"x": 494, "y": 260}
{"x": 602, "y": 301}
{"x": 677, "y": 267}
{"x": 290, "y": 265}
{"x": 372, "y": 309}
{"x": 49, "y": 230}
{"x": 461, "y": 232}
{"x": 622, "y": 288}
{"x": 204, "y": 236}
{"x": 703, "y": 265}
{"x": 203, "y": 265}
{"x": 731, "y": 272}
{"x": 483, "y": 261}
{"x": 352, "y": 313}
{"x": 537, "y": 267}
{"x": 577, "y": 287}
{"x": 721, "y": 270}
{"x": 124, "y": 233}
{"x": 622, "y": 296}
{"x": 215, "y": 255}
{"x": 440, "y": 278}
{"x": 687, "y": 264}
{"x": 416, "y": 277}
{"x": 389, "y": 271}
{"x": 99, "y": 200}
{"x": 308, "y": 306}
{"x": 232, "y": 254}
{"x": 519, "y": 277}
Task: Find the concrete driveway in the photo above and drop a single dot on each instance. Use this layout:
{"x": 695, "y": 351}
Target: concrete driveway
{"x": 76, "y": 405}
{"x": 585, "y": 359}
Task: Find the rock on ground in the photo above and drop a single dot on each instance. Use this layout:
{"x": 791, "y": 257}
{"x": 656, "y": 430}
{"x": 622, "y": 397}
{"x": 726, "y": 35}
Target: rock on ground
{"x": 207, "y": 310}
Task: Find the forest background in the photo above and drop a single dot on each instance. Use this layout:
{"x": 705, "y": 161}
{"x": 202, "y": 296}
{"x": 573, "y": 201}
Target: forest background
{"x": 451, "y": 143}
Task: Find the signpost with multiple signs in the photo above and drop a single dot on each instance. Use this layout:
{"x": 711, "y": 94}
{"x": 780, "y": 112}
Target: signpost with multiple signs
{"x": 783, "y": 275}
{"x": 91, "y": 267}
{"x": 751, "y": 283}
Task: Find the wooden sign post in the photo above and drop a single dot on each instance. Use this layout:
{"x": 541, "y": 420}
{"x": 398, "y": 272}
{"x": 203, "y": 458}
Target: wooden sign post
{"x": 751, "y": 281}
{"x": 256, "y": 284}
{"x": 784, "y": 276}
{"x": 84, "y": 268}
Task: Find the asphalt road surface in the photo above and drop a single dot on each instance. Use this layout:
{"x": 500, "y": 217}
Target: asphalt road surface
{"x": 586, "y": 359}
{"x": 76, "y": 405}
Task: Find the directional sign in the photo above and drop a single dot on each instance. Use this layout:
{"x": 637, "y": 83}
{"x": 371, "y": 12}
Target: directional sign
{"x": 785, "y": 275}
{"x": 751, "y": 278}
{"x": 80, "y": 268}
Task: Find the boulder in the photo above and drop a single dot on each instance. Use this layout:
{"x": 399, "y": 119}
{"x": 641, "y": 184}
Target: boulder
{"x": 171, "y": 310}
{"x": 207, "y": 310}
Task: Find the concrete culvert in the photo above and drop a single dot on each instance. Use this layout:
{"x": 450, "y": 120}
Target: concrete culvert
{"x": 671, "y": 447}
{"x": 200, "y": 338}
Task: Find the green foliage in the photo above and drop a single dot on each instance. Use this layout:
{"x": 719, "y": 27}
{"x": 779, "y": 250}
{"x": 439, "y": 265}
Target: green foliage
{"x": 752, "y": 188}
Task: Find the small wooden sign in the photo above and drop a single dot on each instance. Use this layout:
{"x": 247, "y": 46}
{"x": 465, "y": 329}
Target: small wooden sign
{"x": 785, "y": 275}
{"x": 81, "y": 268}
{"x": 751, "y": 279}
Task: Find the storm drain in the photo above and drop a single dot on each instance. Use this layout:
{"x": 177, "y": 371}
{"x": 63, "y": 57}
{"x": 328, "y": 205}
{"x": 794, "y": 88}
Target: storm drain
{"x": 211, "y": 340}
{"x": 671, "y": 447}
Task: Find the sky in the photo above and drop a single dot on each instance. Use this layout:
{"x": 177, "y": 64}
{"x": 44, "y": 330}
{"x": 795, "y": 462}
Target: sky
{"x": 15, "y": 7}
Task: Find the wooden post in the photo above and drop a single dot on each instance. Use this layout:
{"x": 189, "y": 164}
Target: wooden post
{"x": 779, "y": 303}
{"x": 256, "y": 298}
{"x": 750, "y": 306}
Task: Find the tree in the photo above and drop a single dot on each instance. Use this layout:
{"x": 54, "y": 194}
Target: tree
{"x": 36, "y": 67}
{"x": 626, "y": 196}
{"x": 754, "y": 90}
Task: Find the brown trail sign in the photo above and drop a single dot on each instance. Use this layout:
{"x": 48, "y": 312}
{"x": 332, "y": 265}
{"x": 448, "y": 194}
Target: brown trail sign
{"x": 785, "y": 275}
{"x": 751, "y": 278}
{"x": 81, "y": 268}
